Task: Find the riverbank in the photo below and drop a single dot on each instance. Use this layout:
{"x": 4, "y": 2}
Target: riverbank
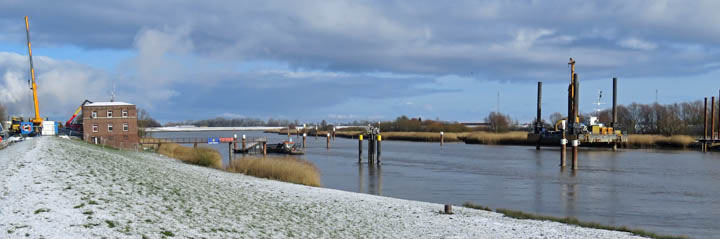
{"x": 509, "y": 138}
{"x": 54, "y": 187}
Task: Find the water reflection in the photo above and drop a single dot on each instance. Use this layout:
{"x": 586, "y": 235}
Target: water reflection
{"x": 374, "y": 179}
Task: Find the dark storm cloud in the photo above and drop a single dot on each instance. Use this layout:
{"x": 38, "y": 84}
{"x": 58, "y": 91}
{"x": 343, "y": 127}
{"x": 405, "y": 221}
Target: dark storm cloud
{"x": 500, "y": 40}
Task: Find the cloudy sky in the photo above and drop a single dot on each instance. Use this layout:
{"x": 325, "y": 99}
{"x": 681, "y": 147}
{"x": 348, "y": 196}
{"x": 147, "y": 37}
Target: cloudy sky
{"x": 348, "y": 60}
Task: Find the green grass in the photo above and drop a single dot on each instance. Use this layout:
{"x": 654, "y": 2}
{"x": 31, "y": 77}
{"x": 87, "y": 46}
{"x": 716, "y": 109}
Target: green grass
{"x": 110, "y": 224}
{"x": 79, "y": 206}
{"x": 476, "y": 206}
{"x": 41, "y": 210}
{"x": 168, "y": 233}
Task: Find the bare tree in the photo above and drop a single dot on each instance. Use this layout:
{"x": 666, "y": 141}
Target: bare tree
{"x": 555, "y": 117}
{"x": 3, "y": 113}
{"x": 498, "y": 122}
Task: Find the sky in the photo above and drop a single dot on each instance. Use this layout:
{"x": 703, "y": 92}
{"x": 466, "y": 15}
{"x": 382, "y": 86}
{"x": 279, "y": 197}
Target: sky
{"x": 355, "y": 60}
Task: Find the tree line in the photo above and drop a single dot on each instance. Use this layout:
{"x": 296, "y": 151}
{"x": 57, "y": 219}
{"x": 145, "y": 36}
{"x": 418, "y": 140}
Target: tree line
{"x": 234, "y": 122}
{"x": 669, "y": 119}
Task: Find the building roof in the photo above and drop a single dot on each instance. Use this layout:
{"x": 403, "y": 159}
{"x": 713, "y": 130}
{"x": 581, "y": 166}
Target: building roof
{"x": 108, "y": 104}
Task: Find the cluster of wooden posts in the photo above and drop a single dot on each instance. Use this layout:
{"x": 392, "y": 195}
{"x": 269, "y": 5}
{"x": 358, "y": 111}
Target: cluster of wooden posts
{"x": 709, "y": 135}
{"x": 233, "y": 146}
{"x": 374, "y": 149}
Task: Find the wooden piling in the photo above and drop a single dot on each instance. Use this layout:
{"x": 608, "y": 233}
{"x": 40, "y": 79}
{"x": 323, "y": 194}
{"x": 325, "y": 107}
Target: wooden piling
{"x": 613, "y": 124}
{"x": 360, "y": 142}
{"x": 230, "y": 153}
{"x": 575, "y": 145}
{"x": 712, "y": 118}
{"x": 264, "y": 146}
{"x": 442, "y": 138}
{"x": 563, "y": 145}
{"x": 448, "y": 209}
{"x": 288, "y": 132}
{"x": 538, "y": 120}
{"x": 328, "y": 141}
{"x": 194, "y": 145}
{"x": 304, "y": 139}
{"x": 705, "y": 127}
{"x": 371, "y": 150}
{"x": 576, "y": 104}
{"x": 234, "y": 141}
{"x": 333, "y": 134}
{"x": 379, "y": 149}
{"x": 244, "y": 143}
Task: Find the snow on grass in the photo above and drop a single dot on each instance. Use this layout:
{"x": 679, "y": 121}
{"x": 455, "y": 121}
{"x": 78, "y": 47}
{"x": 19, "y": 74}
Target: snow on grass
{"x": 59, "y": 188}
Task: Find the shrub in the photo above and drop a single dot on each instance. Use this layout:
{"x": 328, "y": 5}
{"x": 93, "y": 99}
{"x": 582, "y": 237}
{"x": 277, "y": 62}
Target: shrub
{"x": 283, "y": 169}
{"x": 201, "y": 156}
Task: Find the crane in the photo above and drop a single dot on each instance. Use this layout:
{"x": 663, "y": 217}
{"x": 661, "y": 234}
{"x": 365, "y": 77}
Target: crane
{"x": 76, "y": 127}
{"x": 37, "y": 121}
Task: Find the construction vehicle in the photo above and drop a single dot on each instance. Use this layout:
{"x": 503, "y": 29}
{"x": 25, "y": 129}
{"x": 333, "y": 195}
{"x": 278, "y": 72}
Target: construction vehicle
{"x": 591, "y": 132}
{"x": 37, "y": 121}
{"x": 75, "y": 126}
{"x": 34, "y": 125}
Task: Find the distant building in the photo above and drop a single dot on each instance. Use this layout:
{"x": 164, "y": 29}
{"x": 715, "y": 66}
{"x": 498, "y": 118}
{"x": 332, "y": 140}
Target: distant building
{"x": 110, "y": 123}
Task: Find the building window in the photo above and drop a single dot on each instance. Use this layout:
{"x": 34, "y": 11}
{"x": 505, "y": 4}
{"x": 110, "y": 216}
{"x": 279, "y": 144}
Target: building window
{"x": 109, "y": 127}
{"x": 126, "y": 127}
{"x": 95, "y": 128}
{"x": 109, "y": 113}
{"x": 94, "y": 114}
{"x": 124, "y": 114}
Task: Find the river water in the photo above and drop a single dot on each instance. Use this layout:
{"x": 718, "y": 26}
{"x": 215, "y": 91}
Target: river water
{"x": 667, "y": 192}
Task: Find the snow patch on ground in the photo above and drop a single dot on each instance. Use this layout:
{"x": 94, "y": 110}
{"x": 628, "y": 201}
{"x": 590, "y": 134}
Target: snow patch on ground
{"x": 56, "y": 188}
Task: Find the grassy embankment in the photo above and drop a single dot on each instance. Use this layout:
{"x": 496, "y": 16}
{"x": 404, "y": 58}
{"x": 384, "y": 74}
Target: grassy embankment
{"x": 282, "y": 169}
{"x": 571, "y": 221}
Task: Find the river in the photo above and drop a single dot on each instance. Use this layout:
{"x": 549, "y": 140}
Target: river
{"x": 662, "y": 191}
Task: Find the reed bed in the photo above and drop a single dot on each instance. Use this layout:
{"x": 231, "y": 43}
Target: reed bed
{"x": 653, "y": 141}
{"x": 201, "y": 156}
{"x": 511, "y": 138}
{"x": 422, "y": 136}
{"x": 283, "y": 169}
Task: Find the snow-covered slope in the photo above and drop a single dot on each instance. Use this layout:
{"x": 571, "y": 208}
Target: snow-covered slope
{"x": 59, "y": 188}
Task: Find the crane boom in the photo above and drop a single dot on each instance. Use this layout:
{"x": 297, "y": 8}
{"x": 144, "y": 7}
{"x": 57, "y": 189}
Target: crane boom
{"x": 37, "y": 120}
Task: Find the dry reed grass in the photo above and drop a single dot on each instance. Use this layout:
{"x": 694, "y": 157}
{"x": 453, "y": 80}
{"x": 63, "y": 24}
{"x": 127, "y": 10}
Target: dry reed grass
{"x": 202, "y": 156}
{"x": 283, "y": 169}
{"x": 651, "y": 141}
{"x": 422, "y": 136}
{"x": 513, "y": 138}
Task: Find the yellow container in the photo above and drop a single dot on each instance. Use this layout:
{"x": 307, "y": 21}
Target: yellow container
{"x": 595, "y": 129}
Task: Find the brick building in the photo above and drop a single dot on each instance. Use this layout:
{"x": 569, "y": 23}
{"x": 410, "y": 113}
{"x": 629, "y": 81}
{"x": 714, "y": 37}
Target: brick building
{"x": 110, "y": 123}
